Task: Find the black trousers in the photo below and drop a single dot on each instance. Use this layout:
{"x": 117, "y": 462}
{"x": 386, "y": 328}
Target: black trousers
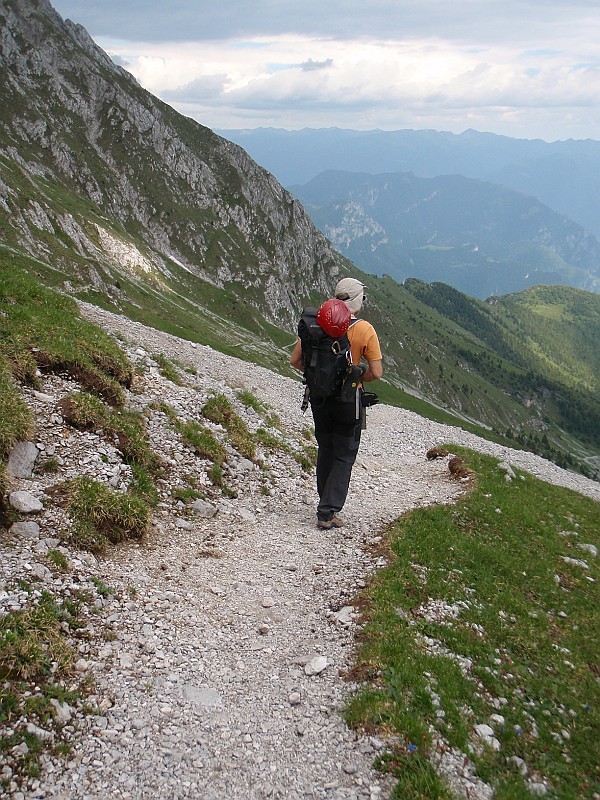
{"x": 338, "y": 436}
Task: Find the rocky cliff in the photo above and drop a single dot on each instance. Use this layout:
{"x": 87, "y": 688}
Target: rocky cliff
{"x": 143, "y": 180}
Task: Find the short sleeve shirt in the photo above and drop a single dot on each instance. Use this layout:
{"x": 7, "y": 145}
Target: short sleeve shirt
{"x": 364, "y": 342}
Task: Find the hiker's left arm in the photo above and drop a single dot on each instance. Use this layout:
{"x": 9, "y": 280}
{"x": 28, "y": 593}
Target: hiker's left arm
{"x": 373, "y": 357}
{"x": 374, "y": 371}
{"x": 296, "y": 357}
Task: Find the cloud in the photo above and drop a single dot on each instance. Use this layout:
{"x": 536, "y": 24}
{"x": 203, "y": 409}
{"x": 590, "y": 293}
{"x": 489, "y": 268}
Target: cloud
{"x": 390, "y": 63}
{"x": 464, "y": 20}
{"x": 310, "y": 64}
{"x": 208, "y": 87}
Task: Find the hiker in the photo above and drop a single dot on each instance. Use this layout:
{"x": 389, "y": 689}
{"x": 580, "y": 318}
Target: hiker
{"x": 337, "y": 425}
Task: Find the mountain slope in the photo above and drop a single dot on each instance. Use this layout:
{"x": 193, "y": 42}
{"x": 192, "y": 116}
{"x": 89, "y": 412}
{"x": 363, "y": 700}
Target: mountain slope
{"x": 481, "y": 238}
{"x": 93, "y": 163}
{"x": 108, "y": 194}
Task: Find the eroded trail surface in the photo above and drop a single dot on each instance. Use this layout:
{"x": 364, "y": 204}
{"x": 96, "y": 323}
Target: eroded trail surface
{"x": 222, "y": 679}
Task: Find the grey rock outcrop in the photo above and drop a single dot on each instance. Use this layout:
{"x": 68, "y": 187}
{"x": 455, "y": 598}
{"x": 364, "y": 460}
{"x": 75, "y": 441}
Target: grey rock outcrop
{"x": 143, "y": 163}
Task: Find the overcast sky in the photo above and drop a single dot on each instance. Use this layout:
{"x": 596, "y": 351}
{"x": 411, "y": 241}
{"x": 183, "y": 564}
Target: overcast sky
{"x": 523, "y": 68}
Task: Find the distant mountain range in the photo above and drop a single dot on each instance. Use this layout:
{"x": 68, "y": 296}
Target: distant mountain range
{"x": 562, "y": 175}
{"x": 479, "y": 237}
{"x": 110, "y": 195}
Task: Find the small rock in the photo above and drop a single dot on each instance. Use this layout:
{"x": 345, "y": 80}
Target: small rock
{"x": 41, "y": 733}
{"x": 575, "y": 562}
{"x": 316, "y": 665}
{"x": 203, "y": 509}
{"x": 345, "y": 615}
{"x": 538, "y": 789}
{"x": 202, "y": 696}
{"x": 25, "y": 502}
{"x": 295, "y": 699}
{"x": 27, "y": 529}
{"x": 41, "y": 572}
{"x": 519, "y": 764}
{"x": 62, "y": 711}
{"x": 22, "y": 460}
{"x": 589, "y": 548}
{"x": 246, "y": 514}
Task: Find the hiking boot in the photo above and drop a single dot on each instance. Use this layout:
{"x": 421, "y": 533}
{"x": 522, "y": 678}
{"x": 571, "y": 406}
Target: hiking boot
{"x": 328, "y": 524}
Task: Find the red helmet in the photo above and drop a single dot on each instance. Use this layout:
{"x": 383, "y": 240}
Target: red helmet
{"x": 334, "y": 317}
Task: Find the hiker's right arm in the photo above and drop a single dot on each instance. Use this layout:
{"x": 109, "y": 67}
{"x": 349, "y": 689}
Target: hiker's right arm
{"x": 296, "y": 357}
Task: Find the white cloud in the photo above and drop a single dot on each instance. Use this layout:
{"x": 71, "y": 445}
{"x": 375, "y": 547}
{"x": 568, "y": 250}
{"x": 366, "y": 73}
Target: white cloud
{"x": 519, "y": 67}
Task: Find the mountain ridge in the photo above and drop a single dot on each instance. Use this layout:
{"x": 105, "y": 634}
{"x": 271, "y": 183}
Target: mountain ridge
{"x": 192, "y": 195}
{"x": 482, "y": 238}
{"x": 561, "y": 174}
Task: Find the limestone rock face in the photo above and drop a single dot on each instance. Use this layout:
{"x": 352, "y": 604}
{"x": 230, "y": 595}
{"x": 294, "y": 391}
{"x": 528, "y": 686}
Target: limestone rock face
{"x": 71, "y": 116}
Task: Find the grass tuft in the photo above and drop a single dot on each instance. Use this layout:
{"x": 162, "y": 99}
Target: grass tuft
{"x": 250, "y": 400}
{"x": 167, "y": 368}
{"x": 219, "y": 410}
{"x": 201, "y": 440}
{"x": 307, "y": 457}
{"x": 32, "y": 643}
{"x": 101, "y": 516}
{"x": 86, "y": 412}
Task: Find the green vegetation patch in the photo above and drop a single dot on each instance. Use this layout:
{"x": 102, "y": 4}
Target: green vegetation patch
{"x": 15, "y": 418}
{"x": 306, "y": 457}
{"x": 219, "y": 410}
{"x": 87, "y": 412}
{"x": 40, "y": 328}
{"x": 101, "y": 515}
{"x": 201, "y": 440}
{"x": 31, "y": 642}
{"x": 490, "y": 606}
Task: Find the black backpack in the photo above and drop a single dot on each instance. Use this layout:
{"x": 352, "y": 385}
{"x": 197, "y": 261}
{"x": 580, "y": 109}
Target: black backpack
{"x": 326, "y": 360}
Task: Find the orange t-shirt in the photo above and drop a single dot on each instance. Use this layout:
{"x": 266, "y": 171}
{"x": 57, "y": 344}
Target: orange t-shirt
{"x": 364, "y": 342}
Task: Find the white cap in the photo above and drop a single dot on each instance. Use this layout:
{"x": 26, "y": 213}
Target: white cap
{"x": 351, "y": 292}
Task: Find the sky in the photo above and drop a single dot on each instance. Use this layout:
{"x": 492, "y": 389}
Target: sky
{"x": 523, "y": 68}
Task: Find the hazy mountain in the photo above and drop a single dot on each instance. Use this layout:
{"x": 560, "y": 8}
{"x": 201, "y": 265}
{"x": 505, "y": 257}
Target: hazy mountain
{"x": 562, "y": 175}
{"x": 110, "y": 195}
{"x": 481, "y": 238}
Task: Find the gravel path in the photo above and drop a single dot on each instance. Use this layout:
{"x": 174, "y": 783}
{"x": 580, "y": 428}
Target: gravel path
{"x": 223, "y": 677}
